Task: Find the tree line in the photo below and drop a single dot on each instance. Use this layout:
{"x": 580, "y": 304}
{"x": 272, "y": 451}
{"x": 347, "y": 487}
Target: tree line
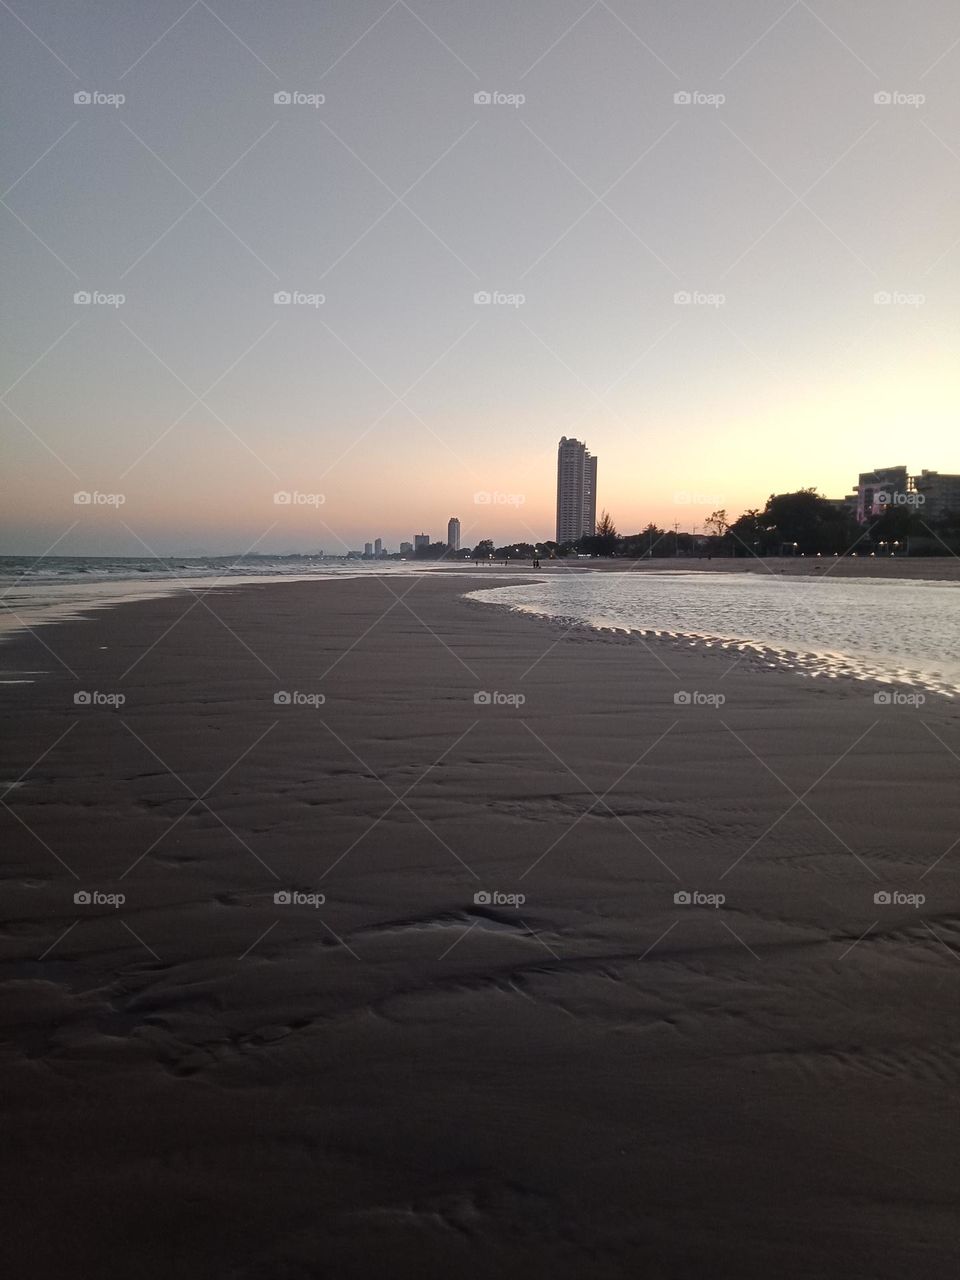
{"x": 801, "y": 523}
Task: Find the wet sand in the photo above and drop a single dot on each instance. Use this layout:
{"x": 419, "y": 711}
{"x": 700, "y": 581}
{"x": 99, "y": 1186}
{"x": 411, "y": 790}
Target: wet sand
{"x": 945, "y": 568}
{"x": 600, "y": 1080}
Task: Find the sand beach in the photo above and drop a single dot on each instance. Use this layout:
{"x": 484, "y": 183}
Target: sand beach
{"x": 379, "y": 931}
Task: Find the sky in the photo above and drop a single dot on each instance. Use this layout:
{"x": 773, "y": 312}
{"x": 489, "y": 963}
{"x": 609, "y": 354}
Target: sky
{"x": 719, "y": 242}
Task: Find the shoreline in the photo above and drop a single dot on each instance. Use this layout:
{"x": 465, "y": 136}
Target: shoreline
{"x": 945, "y": 568}
{"x": 759, "y": 656}
{"x": 762, "y": 654}
{"x": 469, "y": 1086}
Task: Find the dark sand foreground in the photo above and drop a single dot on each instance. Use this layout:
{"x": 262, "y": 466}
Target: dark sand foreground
{"x": 403, "y": 1082}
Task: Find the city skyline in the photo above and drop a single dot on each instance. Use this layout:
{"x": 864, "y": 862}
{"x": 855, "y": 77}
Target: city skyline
{"x": 929, "y": 491}
{"x": 770, "y": 278}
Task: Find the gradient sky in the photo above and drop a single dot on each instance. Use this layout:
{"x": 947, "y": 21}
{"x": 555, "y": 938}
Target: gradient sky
{"x": 799, "y": 199}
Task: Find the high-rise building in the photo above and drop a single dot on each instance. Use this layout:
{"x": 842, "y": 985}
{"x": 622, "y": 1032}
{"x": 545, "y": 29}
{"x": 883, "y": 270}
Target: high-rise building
{"x": 576, "y": 491}
{"x": 368, "y": 549}
{"x": 378, "y": 548}
{"x": 453, "y": 533}
{"x": 406, "y": 548}
{"x": 420, "y": 540}
{"x": 940, "y": 494}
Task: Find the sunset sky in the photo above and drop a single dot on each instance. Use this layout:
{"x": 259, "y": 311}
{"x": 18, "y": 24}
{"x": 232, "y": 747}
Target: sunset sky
{"x": 783, "y": 210}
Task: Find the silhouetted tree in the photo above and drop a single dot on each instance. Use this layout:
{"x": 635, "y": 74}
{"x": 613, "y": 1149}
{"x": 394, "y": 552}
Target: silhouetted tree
{"x": 606, "y": 538}
{"x": 717, "y": 521}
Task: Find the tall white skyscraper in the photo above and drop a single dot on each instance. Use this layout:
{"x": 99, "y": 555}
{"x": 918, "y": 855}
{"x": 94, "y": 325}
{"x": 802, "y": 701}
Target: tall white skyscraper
{"x": 453, "y": 533}
{"x": 378, "y": 548}
{"x": 576, "y": 490}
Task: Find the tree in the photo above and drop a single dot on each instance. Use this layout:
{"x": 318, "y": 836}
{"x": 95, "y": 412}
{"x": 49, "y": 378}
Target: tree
{"x": 484, "y": 549}
{"x": 607, "y": 537}
{"x": 748, "y": 532}
{"x": 809, "y": 523}
{"x": 717, "y": 521}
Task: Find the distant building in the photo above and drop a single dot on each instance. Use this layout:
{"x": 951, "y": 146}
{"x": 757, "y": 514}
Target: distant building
{"x": 420, "y": 540}
{"x": 940, "y": 494}
{"x": 368, "y": 549}
{"x": 453, "y": 533}
{"x": 406, "y": 548}
{"x": 576, "y": 491}
{"x": 880, "y": 489}
{"x": 378, "y": 548}
{"x": 931, "y": 494}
